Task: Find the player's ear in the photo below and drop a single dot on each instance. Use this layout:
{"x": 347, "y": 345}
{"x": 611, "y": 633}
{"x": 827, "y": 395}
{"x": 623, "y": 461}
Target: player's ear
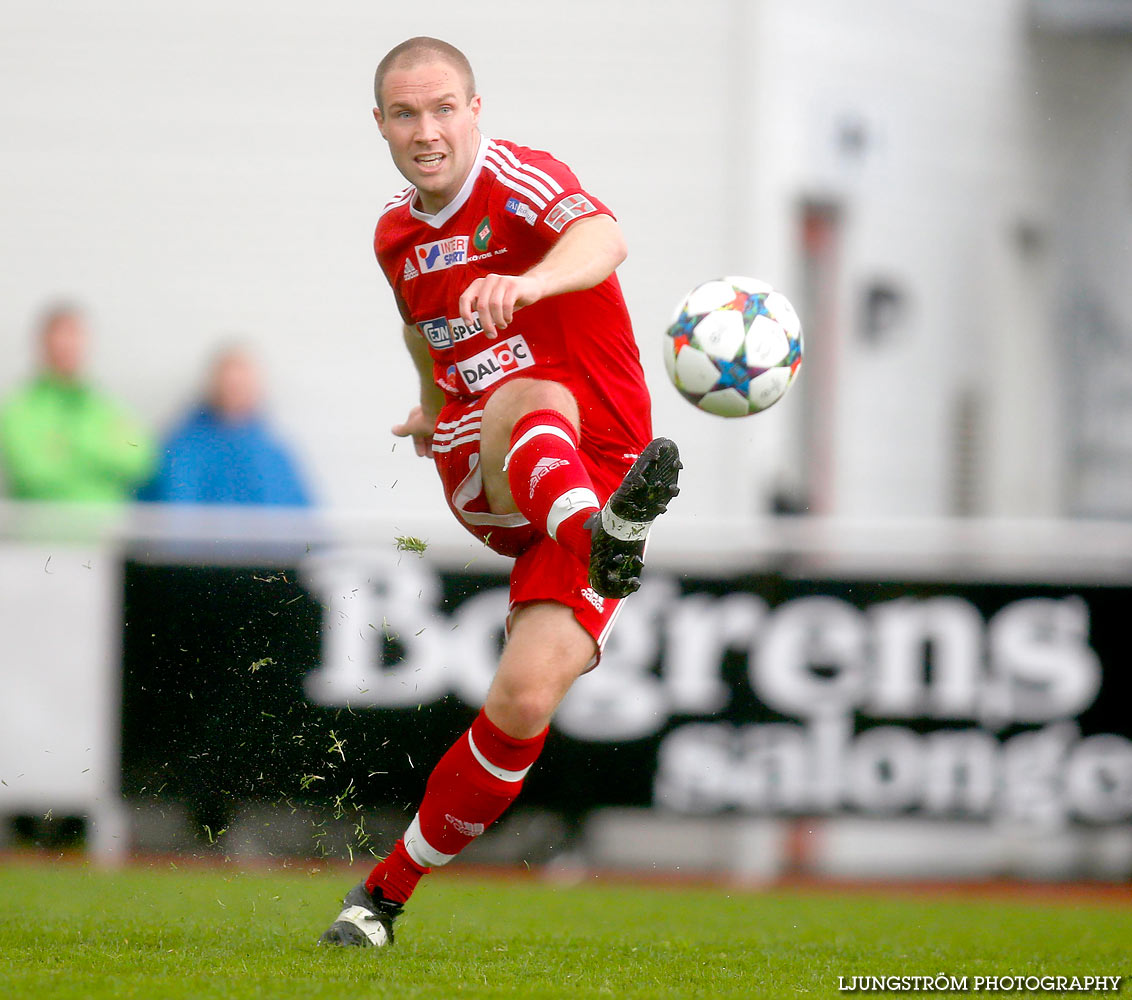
{"x": 380, "y": 119}
{"x": 474, "y": 104}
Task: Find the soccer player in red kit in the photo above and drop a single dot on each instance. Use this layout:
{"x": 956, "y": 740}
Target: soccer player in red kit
{"x": 534, "y": 409}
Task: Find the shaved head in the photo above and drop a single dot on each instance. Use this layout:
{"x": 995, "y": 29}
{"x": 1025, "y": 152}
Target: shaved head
{"x": 418, "y": 50}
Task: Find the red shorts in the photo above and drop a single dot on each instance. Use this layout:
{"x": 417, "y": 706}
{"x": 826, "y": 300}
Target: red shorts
{"x": 543, "y": 570}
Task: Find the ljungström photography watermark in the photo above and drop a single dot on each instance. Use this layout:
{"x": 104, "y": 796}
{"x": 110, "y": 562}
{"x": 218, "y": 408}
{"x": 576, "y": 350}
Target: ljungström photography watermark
{"x": 945, "y": 983}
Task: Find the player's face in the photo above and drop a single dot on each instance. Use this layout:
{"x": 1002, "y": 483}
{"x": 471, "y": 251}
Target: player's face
{"x": 431, "y": 127}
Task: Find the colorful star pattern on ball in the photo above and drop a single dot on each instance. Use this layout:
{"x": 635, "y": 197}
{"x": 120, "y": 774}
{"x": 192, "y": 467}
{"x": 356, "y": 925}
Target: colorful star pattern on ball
{"x": 712, "y": 371}
{"x": 733, "y": 375}
{"x": 755, "y": 305}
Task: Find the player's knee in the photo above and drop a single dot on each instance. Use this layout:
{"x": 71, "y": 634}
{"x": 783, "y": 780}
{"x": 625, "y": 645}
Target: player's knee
{"x": 522, "y": 712}
{"x": 534, "y": 706}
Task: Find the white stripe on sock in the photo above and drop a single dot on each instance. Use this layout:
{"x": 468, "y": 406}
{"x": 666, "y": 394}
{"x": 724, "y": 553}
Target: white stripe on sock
{"x": 535, "y": 432}
{"x": 567, "y": 505}
{"x": 420, "y": 850}
{"x": 491, "y": 769}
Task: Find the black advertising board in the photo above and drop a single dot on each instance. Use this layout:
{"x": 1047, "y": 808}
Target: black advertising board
{"x": 350, "y": 674}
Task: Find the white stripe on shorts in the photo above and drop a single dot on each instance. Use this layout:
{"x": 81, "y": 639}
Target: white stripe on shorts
{"x": 471, "y": 415}
{"x": 454, "y": 443}
{"x": 447, "y": 435}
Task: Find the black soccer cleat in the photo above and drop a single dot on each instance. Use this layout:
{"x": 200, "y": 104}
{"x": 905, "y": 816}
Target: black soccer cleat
{"x": 621, "y": 527}
{"x": 366, "y": 921}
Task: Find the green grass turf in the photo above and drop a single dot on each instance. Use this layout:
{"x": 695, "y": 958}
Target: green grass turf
{"x": 74, "y": 931}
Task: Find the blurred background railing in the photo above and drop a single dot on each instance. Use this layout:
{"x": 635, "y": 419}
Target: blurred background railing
{"x": 800, "y": 695}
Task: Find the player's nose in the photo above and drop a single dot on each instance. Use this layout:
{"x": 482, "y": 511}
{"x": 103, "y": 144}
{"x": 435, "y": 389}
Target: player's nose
{"x": 427, "y": 130}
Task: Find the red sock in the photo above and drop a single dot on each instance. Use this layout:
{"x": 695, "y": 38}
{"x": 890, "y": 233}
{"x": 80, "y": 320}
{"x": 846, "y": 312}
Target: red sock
{"x": 548, "y": 480}
{"x": 479, "y": 777}
{"x": 397, "y": 875}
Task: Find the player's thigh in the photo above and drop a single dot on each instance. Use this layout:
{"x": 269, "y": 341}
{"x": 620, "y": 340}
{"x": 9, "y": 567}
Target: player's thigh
{"x": 504, "y": 408}
{"x": 546, "y": 651}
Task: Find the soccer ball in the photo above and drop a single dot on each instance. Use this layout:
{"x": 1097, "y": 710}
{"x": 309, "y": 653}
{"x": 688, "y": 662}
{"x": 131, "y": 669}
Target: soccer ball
{"x": 734, "y": 346}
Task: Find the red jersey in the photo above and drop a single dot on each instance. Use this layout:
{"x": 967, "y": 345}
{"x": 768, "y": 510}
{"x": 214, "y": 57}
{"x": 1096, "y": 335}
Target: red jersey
{"x": 515, "y": 204}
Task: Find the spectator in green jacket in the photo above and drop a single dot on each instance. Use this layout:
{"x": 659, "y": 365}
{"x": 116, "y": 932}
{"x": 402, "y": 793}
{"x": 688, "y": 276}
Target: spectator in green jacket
{"x": 61, "y": 439}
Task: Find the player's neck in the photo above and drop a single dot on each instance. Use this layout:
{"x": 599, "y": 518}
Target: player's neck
{"x": 425, "y": 204}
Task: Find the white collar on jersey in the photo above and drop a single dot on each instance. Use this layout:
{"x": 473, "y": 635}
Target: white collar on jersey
{"x": 437, "y": 221}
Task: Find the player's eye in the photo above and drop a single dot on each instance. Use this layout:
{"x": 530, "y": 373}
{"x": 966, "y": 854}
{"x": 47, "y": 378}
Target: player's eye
{"x": 445, "y": 109}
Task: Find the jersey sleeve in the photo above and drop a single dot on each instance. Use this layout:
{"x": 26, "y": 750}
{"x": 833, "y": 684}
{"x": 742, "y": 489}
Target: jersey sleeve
{"x": 540, "y": 191}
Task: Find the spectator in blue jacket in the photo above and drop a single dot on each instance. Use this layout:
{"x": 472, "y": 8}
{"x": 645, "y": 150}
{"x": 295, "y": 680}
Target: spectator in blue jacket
{"x": 224, "y": 452}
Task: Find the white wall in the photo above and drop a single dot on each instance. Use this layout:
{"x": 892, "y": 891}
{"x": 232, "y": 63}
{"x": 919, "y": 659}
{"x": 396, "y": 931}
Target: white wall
{"x": 1087, "y": 142}
{"x": 198, "y": 173}
{"x": 939, "y": 92}
{"x": 192, "y": 174}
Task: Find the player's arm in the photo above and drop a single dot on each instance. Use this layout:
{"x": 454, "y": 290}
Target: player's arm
{"x": 588, "y": 253}
{"x": 421, "y": 420}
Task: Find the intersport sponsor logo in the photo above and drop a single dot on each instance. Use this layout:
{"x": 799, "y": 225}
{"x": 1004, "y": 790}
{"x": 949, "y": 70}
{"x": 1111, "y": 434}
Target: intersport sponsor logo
{"x": 442, "y": 254}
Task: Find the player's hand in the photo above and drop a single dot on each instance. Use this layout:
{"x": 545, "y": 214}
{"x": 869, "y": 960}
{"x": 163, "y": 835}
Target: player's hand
{"x": 496, "y": 297}
{"x": 419, "y": 426}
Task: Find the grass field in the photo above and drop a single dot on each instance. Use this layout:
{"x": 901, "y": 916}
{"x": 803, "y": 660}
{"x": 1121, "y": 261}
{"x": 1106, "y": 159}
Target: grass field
{"x": 157, "y": 931}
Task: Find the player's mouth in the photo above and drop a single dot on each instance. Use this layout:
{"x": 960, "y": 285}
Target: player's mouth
{"x": 429, "y": 161}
